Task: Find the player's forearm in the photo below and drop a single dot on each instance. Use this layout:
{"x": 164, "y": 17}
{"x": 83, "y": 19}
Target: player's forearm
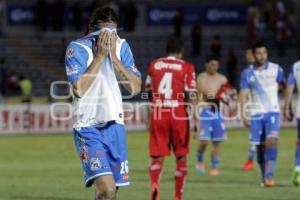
{"x": 193, "y": 100}
{"x": 242, "y": 101}
{"x": 288, "y": 96}
{"x": 81, "y": 85}
{"x": 130, "y": 81}
{"x": 193, "y": 97}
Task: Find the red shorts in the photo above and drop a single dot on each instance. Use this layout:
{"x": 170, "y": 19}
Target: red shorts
{"x": 169, "y": 128}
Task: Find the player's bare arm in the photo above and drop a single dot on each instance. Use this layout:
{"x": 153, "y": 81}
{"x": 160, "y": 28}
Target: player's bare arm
{"x": 130, "y": 81}
{"x": 287, "y": 101}
{"x": 80, "y": 86}
{"x": 231, "y": 91}
{"x": 199, "y": 103}
{"x": 193, "y": 100}
{"x": 200, "y": 89}
{"x": 243, "y": 97}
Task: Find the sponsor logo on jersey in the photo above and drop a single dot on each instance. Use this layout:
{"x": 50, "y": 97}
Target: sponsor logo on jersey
{"x": 270, "y": 76}
{"x": 162, "y": 65}
{"x": 71, "y": 70}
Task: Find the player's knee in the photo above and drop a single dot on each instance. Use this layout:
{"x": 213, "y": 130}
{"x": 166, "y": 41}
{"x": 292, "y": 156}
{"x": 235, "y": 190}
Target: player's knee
{"x": 204, "y": 142}
{"x": 216, "y": 143}
{"x": 298, "y": 143}
{"x": 180, "y": 158}
{"x": 157, "y": 158}
{"x": 271, "y": 142}
{"x": 107, "y": 192}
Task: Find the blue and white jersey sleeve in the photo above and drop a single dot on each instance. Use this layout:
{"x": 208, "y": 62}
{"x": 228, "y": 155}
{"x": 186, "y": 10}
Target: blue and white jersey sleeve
{"x": 128, "y": 60}
{"x": 244, "y": 84}
{"x": 291, "y": 78}
{"x": 75, "y": 61}
{"x": 280, "y": 75}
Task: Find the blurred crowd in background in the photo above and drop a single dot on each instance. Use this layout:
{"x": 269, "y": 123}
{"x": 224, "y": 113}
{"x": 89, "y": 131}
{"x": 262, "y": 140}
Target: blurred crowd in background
{"x": 274, "y": 19}
{"x": 277, "y": 18}
{"x": 51, "y": 15}
{"x": 16, "y": 83}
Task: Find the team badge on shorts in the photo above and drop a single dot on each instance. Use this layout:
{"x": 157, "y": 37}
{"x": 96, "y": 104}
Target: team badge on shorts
{"x": 95, "y": 164}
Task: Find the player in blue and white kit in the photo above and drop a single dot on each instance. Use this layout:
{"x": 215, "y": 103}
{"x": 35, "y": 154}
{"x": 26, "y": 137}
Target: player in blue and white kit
{"x": 294, "y": 79}
{"x": 261, "y": 82}
{"x": 95, "y": 64}
{"x": 249, "y": 165}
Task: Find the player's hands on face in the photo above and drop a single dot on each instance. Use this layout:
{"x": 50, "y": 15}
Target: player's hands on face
{"x": 113, "y": 44}
{"x": 103, "y": 44}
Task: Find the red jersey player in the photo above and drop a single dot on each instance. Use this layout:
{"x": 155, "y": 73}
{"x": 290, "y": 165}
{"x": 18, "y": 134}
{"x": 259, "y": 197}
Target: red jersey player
{"x": 168, "y": 79}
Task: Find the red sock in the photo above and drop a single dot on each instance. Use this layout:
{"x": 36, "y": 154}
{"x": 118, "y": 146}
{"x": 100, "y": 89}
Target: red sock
{"x": 155, "y": 170}
{"x": 180, "y": 177}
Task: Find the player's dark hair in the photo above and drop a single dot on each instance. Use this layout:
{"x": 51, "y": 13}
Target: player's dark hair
{"x": 102, "y": 14}
{"x": 257, "y": 45}
{"x": 174, "y": 45}
{"x": 211, "y": 57}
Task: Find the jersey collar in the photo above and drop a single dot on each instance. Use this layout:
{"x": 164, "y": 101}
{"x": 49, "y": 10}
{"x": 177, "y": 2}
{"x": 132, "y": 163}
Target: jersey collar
{"x": 265, "y": 67}
{"x": 171, "y": 57}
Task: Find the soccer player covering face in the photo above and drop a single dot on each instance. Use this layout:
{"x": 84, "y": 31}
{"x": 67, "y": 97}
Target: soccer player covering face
{"x": 168, "y": 78}
{"x": 262, "y": 81}
{"x": 294, "y": 79}
{"x": 94, "y": 65}
{"x": 212, "y": 88}
{"x": 249, "y": 165}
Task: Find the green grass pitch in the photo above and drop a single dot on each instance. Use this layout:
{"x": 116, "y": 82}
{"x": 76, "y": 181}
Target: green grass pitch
{"x": 47, "y": 168}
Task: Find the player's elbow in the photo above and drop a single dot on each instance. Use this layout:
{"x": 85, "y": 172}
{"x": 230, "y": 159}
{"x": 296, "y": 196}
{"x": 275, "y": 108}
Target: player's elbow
{"x": 76, "y": 91}
{"x": 137, "y": 87}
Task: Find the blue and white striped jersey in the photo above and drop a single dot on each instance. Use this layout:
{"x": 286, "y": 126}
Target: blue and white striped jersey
{"x": 102, "y": 102}
{"x": 263, "y": 86}
{"x": 294, "y": 79}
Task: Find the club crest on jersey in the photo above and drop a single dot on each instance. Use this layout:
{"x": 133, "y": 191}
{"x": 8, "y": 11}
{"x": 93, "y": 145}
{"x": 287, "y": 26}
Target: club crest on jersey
{"x": 70, "y": 52}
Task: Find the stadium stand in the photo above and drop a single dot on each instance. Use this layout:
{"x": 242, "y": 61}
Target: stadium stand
{"x": 42, "y": 56}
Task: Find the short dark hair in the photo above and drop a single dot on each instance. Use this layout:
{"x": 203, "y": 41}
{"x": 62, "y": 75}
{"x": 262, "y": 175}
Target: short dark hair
{"x": 211, "y": 57}
{"x": 257, "y": 45}
{"x": 103, "y": 14}
{"x": 174, "y": 45}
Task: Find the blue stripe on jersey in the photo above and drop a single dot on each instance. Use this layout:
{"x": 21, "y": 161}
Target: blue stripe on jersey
{"x": 75, "y": 61}
{"x": 244, "y": 84}
{"x": 280, "y": 75}
{"x": 128, "y": 60}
